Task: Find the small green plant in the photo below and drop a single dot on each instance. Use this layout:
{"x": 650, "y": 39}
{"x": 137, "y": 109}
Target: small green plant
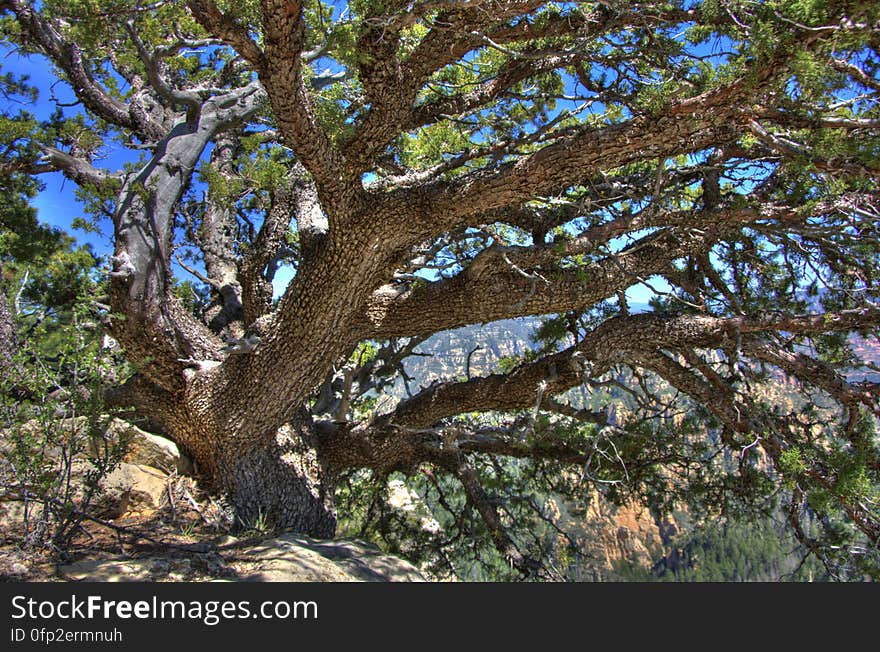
{"x": 259, "y": 526}
{"x": 55, "y": 450}
{"x": 188, "y": 529}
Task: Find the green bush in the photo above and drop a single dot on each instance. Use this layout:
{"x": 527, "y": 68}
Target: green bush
{"x": 54, "y": 451}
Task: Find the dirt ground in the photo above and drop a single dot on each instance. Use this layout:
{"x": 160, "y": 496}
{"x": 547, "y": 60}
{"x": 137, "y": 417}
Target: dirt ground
{"x": 182, "y": 527}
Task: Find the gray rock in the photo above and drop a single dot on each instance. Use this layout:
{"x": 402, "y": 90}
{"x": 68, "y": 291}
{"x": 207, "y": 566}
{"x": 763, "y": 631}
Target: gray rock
{"x": 296, "y": 558}
{"x": 287, "y": 558}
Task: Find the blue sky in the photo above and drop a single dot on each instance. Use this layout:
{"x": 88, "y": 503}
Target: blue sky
{"x": 57, "y": 204}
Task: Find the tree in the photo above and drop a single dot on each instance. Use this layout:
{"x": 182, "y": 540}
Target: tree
{"x": 420, "y": 166}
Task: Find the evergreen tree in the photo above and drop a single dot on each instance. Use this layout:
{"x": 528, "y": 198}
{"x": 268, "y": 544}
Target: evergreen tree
{"x": 419, "y": 166}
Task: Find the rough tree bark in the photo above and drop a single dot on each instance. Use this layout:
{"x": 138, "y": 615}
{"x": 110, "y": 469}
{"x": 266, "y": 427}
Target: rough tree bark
{"x": 282, "y": 484}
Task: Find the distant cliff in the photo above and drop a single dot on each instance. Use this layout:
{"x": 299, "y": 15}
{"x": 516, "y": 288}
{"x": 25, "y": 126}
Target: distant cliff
{"x": 473, "y": 350}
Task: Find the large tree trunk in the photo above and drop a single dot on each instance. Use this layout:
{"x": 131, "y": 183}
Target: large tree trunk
{"x": 275, "y": 483}
{"x": 273, "y": 479}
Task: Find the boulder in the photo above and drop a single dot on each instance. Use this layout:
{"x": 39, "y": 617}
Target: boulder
{"x": 146, "y": 448}
{"x": 132, "y": 487}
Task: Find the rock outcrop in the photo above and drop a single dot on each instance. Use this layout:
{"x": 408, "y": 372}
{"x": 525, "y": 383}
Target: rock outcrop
{"x": 285, "y": 558}
{"x": 627, "y": 533}
{"x": 614, "y": 536}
